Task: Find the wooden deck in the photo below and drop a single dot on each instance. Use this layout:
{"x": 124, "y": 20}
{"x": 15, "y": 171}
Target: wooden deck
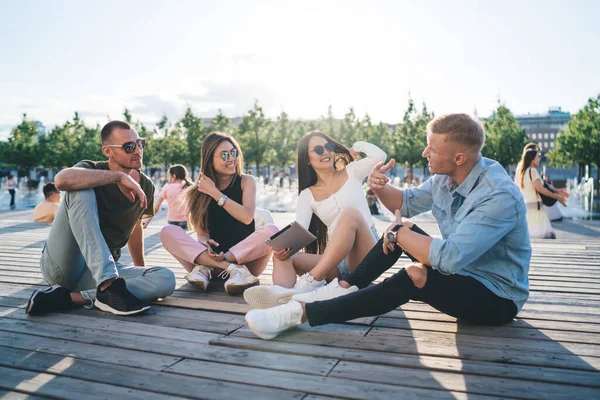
{"x": 195, "y": 345}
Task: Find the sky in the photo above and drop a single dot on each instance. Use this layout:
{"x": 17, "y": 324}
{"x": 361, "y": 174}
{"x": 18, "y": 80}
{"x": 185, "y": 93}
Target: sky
{"x": 159, "y": 57}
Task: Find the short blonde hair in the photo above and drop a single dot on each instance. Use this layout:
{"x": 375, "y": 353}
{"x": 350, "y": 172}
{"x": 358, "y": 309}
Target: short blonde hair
{"x": 462, "y": 128}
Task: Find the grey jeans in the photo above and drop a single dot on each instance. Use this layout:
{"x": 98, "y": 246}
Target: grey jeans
{"x": 77, "y": 257}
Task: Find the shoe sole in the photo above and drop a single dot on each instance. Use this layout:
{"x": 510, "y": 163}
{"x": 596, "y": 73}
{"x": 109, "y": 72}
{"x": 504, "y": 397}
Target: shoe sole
{"x": 31, "y": 302}
{"x": 260, "y": 335}
{"x": 198, "y": 285}
{"x": 109, "y": 309}
{"x": 262, "y": 297}
{"x": 233, "y": 290}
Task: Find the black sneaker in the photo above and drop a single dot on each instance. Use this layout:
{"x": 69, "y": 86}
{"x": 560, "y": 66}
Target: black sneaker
{"x": 54, "y": 298}
{"x": 116, "y": 299}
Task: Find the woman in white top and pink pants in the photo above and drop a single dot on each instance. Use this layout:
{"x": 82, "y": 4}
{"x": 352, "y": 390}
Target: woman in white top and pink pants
{"x": 332, "y": 205}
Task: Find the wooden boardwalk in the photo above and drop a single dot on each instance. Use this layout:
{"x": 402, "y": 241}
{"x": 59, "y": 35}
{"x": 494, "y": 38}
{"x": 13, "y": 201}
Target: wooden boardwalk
{"x": 195, "y": 345}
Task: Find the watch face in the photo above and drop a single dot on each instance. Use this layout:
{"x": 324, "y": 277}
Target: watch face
{"x": 391, "y": 236}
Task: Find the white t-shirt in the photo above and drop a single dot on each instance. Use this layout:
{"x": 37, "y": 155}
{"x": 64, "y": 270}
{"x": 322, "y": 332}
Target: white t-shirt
{"x": 529, "y": 193}
{"x": 349, "y": 195}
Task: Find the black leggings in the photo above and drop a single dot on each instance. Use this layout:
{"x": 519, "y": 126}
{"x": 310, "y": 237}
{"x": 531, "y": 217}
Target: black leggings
{"x": 460, "y": 296}
{"x": 12, "y": 196}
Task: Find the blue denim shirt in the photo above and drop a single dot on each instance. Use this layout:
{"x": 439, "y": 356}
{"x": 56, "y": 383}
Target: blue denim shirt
{"x": 483, "y": 225}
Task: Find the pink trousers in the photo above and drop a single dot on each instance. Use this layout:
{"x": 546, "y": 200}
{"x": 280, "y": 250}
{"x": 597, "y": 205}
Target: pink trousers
{"x": 252, "y": 252}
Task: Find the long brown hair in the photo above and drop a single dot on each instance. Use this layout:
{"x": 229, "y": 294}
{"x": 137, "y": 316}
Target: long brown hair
{"x": 196, "y": 203}
{"x": 526, "y": 161}
{"x": 307, "y": 177}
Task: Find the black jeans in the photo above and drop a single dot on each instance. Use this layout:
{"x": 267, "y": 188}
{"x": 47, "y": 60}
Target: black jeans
{"x": 12, "y": 197}
{"x": 460, "y": 296}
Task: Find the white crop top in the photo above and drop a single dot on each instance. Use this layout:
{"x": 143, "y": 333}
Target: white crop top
{"x": 349, "y": 195}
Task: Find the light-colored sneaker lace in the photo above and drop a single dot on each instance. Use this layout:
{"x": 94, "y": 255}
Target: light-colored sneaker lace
{"x": 231, "y": 271}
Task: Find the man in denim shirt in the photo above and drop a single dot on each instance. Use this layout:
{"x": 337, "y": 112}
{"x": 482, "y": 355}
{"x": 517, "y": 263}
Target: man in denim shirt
{"x": 477, "y": 272}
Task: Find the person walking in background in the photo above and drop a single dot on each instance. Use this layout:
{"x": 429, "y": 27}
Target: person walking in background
{"x": 221, "y": 209}
{"x": 11, "y": 185}
{"x": 531, "y": 186}
{"x": 46, "y": 210}
{"x": 172, "y": 192}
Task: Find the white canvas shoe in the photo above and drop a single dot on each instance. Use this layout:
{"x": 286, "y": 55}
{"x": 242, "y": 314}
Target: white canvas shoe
{"x": 199, "y": 276}
{"x": 239, "y": 280}
{"x": 327, "y": 292}
{"x": 267, "y": 324}
{"x": 272, "y": 296}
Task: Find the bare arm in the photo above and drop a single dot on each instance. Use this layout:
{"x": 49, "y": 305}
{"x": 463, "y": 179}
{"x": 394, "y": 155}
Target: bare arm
{"x": 136, "y": 245}
{"x": 539, "y": 187}
{"x": 390, "y": 196}
{"x": 242, "y": 212}
{"x": 71, "y": 179}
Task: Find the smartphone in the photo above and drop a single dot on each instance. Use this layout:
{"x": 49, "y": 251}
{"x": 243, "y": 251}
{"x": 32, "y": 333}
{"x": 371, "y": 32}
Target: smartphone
{"x": 213, "y": 248}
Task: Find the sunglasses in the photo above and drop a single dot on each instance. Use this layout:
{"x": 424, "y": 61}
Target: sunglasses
{"x": 130, "y": 147}
{"x": 319, "y": 150}
{"x": 225, "y": 155}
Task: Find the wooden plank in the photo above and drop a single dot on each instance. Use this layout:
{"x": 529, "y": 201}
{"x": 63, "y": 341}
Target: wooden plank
{"x": 327, "y": 386}
{"x": 57, "y": 386}
{"x": 132, "y": 358}
{"x": 514, "y": 354}
{"x": 137, "y": 378}
{"x": 505, "y": 331}
{"x": 173, "y": 347}
{"x": 462, "y": 382}
{"x": 433, "y": 363}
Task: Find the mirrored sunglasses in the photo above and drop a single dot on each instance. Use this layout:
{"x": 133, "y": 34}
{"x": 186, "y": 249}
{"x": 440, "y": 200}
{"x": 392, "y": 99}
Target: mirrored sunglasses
{"x": 130, "y": 147}
{"x": 319, "y": 150}
{"x": 225, "y": 155}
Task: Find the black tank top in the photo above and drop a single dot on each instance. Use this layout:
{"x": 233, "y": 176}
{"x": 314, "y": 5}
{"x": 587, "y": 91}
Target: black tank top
{"x": 222, "y": 227}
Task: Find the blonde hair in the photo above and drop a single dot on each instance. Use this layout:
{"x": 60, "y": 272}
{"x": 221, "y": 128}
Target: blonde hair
{"x": 462, "y": 128}
{"x": 196, "y": 203}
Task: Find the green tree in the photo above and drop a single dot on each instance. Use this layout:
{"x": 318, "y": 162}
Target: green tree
{"x": 255, "y": 135}
{"x": 580, "y": 142}
{"x": 504, "y": 138}
{"x": 70, "y": 143}
{"x": 171, "y": 143}
{"x": 127, "y": 116}
{"x": 194, "y": 133}
{"x": 349, "y": 128}
{"x": 22, "y": 149}
{"x": 285, "y": 140}
{"x": 220, "y": 123}
{"x": 410, "y": 138}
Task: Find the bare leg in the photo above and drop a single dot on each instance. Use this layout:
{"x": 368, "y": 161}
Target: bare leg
{"x": 79, "y": 300}
{"x": 352, "y": 237}
{"x": 285, "y": 272}
{"x": 204, "y": 259}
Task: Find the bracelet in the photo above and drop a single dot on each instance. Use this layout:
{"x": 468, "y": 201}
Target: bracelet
{"x": 221, "y": 201}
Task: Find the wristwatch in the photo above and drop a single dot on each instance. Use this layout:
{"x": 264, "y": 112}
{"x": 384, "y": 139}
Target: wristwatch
{"x": 391, "y": 235}
{"x": 221, "y": 201}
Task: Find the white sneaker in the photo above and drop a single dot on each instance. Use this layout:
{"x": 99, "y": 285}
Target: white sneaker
{"x": 306, "y": 283}
{"x": 327, "y": 292}
{"x": 239, "y": 280}
{"x": 272, "y": 296}
{"x": 267, "y": 324}
{"x": 199, "y": 276}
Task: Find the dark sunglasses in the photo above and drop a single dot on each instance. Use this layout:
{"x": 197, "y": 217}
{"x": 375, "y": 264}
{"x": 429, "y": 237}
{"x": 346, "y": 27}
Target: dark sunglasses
{"x": 225, "y": 155}
{"x": 319, "y": 150}
{"x": 130, "y": 147}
